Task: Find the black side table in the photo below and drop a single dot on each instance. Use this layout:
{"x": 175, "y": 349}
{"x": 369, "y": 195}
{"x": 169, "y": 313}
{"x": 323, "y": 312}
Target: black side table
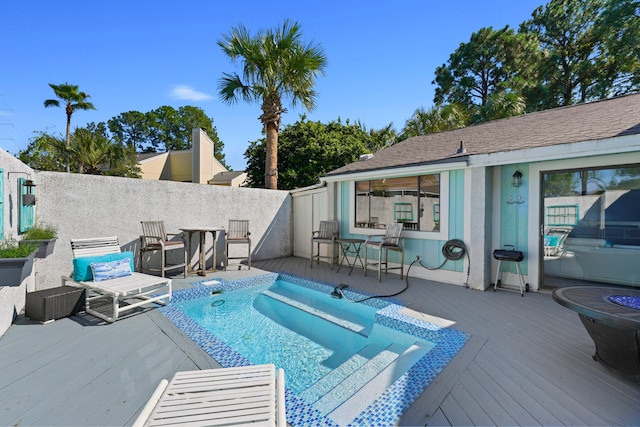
{"x": 350, "y": 247}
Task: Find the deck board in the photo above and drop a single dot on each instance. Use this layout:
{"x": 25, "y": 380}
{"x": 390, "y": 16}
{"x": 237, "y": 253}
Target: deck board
{"x": 528, "y": 361}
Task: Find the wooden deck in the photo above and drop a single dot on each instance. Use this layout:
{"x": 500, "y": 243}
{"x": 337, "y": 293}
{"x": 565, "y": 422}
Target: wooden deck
{"x": 528, "y": 361}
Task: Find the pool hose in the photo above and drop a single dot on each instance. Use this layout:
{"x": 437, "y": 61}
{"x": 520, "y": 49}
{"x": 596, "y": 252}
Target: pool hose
{"x": 452, "y": 250}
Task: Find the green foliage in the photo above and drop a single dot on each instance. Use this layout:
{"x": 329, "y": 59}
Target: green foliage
{"x": 313, "y": 149}
{"x": 89, "y": 151}
{"x": 379, "y": 138}
{"x": 591, "y": 49}
{"x": 9, "y": 248}
{"x": 569, "y": 51}
{"x": 164, "y": 129}
{"x": 437, "y": 119}
{"x": 73, "y": 100}
{"x": 40, "y": 232}
{"x": 276, "y": 66}
{"x": 487, "y": 64}
{"x": 40, "y": 154}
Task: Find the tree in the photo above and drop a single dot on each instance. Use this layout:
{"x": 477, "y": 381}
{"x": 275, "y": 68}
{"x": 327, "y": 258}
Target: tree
{"x": 89, "y": 151}
{"x": 164, "y": 129}
{"x": 276, "y": 65}
{"x": 437, "y": 119}
{"x": 619, "y": 28}
{"x": 313, "y": 149}
{"x": 491, "y": 62}
{"x": 379, "y": 138}
{"x": 590, "y": 47}
{"x": 73, "y": 101}
{"x": 41, "y": 153}
{"x": 500, "y": 105}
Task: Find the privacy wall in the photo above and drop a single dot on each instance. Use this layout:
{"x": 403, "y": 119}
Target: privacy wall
{"x": 92, "y": 206}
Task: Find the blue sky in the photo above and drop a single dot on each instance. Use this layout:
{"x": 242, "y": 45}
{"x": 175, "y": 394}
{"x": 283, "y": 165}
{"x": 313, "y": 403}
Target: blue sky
{"x": 140, "y": 55}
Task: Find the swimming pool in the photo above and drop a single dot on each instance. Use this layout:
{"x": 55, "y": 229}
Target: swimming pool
{"x": 345, "y": 363}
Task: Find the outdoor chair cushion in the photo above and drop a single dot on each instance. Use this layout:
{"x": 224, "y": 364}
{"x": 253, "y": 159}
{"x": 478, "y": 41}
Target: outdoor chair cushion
{"x": 82, "y": 265}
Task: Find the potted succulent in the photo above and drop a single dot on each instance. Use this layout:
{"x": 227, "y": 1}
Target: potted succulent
{"x": 16, "y": 261}
{"x": 43, "y": 236}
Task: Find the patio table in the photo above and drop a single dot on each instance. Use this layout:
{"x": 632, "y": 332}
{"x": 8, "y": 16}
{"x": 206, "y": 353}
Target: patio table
{"x": 347, "y": 247}
{"x": 202, "y": 231}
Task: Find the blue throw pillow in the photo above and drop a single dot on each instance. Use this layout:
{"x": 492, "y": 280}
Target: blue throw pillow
{"x": 110, "y": 270}
{"x": 82, "y": 266}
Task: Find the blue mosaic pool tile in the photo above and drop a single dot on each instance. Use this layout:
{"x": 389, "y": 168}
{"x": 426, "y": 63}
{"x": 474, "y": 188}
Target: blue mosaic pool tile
{"x": 387, "y": 408}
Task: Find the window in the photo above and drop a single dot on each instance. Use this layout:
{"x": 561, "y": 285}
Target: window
{"x": 413, "y": 201}
{"x": 562, "y": 215}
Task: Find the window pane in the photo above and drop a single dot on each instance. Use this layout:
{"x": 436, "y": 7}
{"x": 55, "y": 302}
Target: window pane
{"x": 363, "y": 190}
{"x": 430, "y": 202}
{"x": 412, "y": 201}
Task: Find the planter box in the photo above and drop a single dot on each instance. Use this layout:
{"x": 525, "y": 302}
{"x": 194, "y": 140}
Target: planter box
{"x": 45, "y": 247}
{"x": 55, "y": 303}
{"x": 14, "y": 270}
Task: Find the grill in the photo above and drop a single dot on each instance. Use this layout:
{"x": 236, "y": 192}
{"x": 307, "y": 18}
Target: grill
{"x": 511, "y": 255}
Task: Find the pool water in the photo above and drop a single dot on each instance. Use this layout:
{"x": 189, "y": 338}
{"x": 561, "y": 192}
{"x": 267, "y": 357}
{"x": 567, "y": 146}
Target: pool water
{"x": 345, "y": 364}
{"x": 265, "y": 329}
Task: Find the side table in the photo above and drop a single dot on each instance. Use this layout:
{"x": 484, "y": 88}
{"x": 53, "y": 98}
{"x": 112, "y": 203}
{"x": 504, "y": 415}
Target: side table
{"x": 48, "y": 305}
{"x": 350, "y": 247}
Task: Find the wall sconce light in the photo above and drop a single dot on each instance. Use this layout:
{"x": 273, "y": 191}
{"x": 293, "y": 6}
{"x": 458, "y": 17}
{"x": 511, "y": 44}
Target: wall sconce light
{"x": 516, "y": 180}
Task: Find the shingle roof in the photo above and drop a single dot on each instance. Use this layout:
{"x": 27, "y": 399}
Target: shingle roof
{"x": 564, "y": 125}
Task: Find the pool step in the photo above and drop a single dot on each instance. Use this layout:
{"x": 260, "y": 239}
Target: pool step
{"x": 325, "y": 384}
{"x": 358, "y": 402}
{"x": 356, "y": 380}
{"x": 352, "y": 326}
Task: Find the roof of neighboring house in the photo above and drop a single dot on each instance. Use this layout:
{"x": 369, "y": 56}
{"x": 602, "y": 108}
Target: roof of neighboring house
{"x": 225, "y": 177}
{"x": 583, "y": 122}
{"x": 144, "y": 156}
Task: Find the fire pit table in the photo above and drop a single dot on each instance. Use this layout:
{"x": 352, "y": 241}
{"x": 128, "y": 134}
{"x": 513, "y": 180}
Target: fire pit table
{"x": 611, "y": 316}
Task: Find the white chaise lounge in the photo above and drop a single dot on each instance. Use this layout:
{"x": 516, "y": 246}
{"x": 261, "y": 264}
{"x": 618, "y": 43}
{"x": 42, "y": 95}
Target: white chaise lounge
{"x": 225, "y": 396}
{"x": 137, "y": 288}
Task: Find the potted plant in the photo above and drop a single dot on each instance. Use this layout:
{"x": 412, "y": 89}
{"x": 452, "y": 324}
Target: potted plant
{"x": 43, "y": 236}
{"x": 16, "y": 261}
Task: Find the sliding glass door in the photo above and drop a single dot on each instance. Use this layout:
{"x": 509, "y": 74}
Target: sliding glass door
{"x": 591, "y": 226}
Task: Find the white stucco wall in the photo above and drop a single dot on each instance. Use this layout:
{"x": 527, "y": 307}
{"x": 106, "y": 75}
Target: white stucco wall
{"x": 12, "y": 298}
{"x": 92, "y": 206}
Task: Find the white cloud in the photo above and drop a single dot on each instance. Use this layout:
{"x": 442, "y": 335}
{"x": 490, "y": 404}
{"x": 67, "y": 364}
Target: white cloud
{"x": 189, "y": 94}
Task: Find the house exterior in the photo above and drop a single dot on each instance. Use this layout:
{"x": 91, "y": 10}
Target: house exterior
{"x": 562, "y": 186}
{"x": 197, "y": 165}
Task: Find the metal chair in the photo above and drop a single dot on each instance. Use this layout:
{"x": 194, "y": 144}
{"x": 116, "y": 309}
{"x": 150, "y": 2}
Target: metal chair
{"x": 328, "y": 233}
{"x": 155, "y": 238}
{"x": 391, "y": 241}
{"x": 237, "y": 233}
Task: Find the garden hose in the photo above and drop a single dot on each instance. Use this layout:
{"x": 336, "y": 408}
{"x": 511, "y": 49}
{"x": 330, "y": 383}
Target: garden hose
{"x": 453, "y": 250}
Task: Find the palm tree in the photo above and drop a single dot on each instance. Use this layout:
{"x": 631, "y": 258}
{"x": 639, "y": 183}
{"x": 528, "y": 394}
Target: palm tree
{"x": 73, "y": 100}
{"x": 276, "y": 65}
{"x": 436, "y": 119}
